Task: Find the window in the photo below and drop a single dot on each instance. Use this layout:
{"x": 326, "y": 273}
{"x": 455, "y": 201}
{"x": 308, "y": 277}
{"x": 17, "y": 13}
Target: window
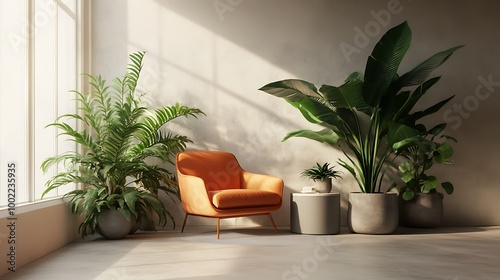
{"x": 40, "y": 62}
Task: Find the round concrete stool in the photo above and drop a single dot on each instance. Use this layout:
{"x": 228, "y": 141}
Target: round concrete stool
{"x": 317, "y": 213}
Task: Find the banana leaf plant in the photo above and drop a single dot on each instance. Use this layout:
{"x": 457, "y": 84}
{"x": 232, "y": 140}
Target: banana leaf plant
{"x": 119, "y": 138}
{"x": 369, "y": 113}
{"x": 420, "y": 153}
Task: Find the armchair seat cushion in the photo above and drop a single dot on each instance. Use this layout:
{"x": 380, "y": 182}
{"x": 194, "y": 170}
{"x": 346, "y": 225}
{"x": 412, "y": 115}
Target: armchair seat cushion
{"x": 243, "y": 198}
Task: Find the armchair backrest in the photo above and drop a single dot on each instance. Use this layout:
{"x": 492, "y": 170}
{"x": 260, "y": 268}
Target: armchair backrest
{"x": 219, "y": 170}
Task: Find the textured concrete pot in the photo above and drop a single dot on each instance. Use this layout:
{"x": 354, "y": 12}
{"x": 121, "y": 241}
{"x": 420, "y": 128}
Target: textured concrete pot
{"x": 136, "y": 225}
{"x": 425, "y": 210}
{"x": 113, "y": 225}
{"x": 323, "y": 186}
{"x": 373, "y": 213}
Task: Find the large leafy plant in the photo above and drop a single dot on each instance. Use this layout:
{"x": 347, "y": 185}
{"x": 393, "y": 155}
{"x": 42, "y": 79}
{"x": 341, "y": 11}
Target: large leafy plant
{"x": 370, "y": 112}
{"x": 119, "y": 141}
{"x": 420, "y": 153}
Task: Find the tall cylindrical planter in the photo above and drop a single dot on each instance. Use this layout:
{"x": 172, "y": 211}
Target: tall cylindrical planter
{"x": 373, "y": 213}
{"x": 425, "y": 210}
{"x": 113, "y": 225}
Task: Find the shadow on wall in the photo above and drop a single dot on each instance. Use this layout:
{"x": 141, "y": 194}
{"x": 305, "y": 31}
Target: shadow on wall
{"x": 230, "y": 119}
{"x": 227, "y": 122}
{"x": 263, "y": 27}
{"x": 105, "y": 60}
{"x": 312, "y": 52}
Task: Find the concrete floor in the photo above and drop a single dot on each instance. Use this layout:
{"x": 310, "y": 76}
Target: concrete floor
{"x": 447, "y": 253}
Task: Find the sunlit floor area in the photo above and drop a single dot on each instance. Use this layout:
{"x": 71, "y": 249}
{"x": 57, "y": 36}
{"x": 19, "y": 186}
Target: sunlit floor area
{"x": 447, "y": 253}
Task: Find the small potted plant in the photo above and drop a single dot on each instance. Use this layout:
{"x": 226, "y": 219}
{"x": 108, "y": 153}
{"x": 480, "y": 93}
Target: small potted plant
{"x": 321, "y": 176}
{"x": 421, "y": 203}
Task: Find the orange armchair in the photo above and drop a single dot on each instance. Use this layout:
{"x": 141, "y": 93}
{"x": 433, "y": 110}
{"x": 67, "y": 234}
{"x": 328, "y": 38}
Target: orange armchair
{"x": 212, "y": 184}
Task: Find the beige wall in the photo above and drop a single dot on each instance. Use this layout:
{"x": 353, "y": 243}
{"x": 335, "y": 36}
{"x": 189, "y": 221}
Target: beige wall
{"x": 36, "y": 234}
{"x": 215, "y": 54}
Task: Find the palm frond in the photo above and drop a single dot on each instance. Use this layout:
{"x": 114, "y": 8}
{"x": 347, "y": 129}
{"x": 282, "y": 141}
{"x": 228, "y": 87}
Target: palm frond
{"x": 134, "y": 70}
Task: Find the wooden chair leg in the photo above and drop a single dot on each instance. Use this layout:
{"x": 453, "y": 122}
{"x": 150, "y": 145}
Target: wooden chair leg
{"x": 184, "y": 223}
{"x": 272, "y": 222}
{"x": 218, "y": 228}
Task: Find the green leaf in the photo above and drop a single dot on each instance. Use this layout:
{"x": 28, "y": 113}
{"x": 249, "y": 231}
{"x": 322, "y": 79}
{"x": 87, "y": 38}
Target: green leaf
{"x": 130, "y": 198}
{"x": 431, "y": 110}
{"x": 431, "y": 182}
{"x": 134, "y": 70}
{"x": 350, "y": 122}
{"x": 398, "y": 132}
{"x": 406, "y": 143}
{"x": 392, "y": 104}
{"x": 428, "y": 165}
{"x": 436, "y": 130}
{"x": 405, "y": 166}
{"x": 450, "y": 138}
{"x": 349, "y": 96}
{"x": 408, "y": 195}
{"x": 445, "y": 150}
{"x": 420, "y": 73}
{"x": 415, "y": 97}
{"x": 448, "y": 187}
{"x": 317, "y": 112}
{"x": 392, "y": 186}
{"x": 291, "y": 89}
{"x": 326, "y": 136}
{"x": 444, "y": 153}
{"x": 351, "y": 170}
{"x": 407, "y": 177}
{"x": 382, "y": 65}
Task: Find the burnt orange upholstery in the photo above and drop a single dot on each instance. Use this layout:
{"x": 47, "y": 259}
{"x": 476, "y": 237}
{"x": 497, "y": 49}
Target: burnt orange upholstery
{"x": 213, "y": 184}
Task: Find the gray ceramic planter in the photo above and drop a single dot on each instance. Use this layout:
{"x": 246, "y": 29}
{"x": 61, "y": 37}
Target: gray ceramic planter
{"x": 323, "y": 186}
{"x": 113, "y": 225}
{"x": 425, "y": 210}
{"x": 373, "y": 213}
{"x": 136, "y": 225}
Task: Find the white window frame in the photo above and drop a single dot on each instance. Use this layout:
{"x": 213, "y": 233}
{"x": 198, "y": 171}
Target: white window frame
{"x": 83, "y": 65}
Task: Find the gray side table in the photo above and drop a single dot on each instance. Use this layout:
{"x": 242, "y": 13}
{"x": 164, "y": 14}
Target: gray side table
{"x": 315, "y": 213}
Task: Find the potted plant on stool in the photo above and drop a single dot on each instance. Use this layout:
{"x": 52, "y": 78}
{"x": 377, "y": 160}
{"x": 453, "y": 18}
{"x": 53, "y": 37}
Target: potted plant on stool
{"x": 421, "y": 204}
{"x": 322, "y": 176}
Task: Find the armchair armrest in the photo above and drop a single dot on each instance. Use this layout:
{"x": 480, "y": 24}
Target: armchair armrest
{"x": 194, "y": 196}
{"x": 262, "y": 182}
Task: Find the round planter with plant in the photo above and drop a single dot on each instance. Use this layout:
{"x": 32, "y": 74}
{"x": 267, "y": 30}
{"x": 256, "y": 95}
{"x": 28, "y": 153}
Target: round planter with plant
{"x": 322, "y": 176}
{"x": 113, "y": 166}
{"x": 421, "y": 203}
{"x": 366, "y": 115}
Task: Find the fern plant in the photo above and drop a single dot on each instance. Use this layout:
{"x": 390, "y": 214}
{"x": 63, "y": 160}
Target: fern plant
{"x": 119, "y": 138}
